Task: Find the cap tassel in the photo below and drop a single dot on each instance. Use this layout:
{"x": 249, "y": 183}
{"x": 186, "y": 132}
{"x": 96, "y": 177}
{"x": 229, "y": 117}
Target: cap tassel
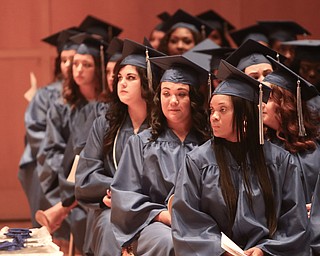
{"x": 261, "y": 137}
{"x": 278, "y": 57}
{"x": 103, "y": 68}
{"x": 210, "y": 87}
{"x": 203, "y": 32}
{"x": 302, "y": 130}
{"x": 149, "y": 71}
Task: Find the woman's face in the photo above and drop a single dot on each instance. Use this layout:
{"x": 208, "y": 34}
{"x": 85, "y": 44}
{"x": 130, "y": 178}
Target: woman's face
{"x": 180, "y": 41}
{"x": 269, "y": 111}
{"x": 155, "y": 38}
{"x": 258, "y": 71}
{"x": 310, "y": 70}
{"x": 66, "y": 57}
{"x": 175, "y": 103}
{"x": 221, "y": 117}
{"x": 83, "y": 69}
{"x": 129, "y": 85}
{"x": 110, "y": 74}
{"x": 215, "y": 36}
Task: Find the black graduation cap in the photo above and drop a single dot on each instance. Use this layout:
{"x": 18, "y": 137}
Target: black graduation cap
{"x": 255, "y": 32}
{"x": 215, "y": 21}
{"x": 217, "y": 54}
{"x": 61, "y": 40}
{"x": 99, "y": 27}
{"x": 163, "y": 16}
{"x": 250, "y": 53}
{"x": 283, "y": 30}
{"x": 306, "y": 49}
{"x": 183, "y": 19}
{"x": 181, "y": 69}
{"x": 134, "y": 53}
{"x": 237, "y": 83}
{"x": 114, "y": 49}
{"x": 284, "y": 77}
{"x": 287, "y": 79}
{"x": 197, "y": 56}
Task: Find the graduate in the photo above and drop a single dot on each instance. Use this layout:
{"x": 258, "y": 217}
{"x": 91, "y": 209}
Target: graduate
{"x": 183, "y": 32}
{"x": 291, "y": 125}
{"x": 36, "y": 122}
{"x": 235, "y": 185}
{"x": 251, "y": 58}
{"x": 80, "y": 98}
{"x": 147, "y": 171}
{"x": 128, "y": 113}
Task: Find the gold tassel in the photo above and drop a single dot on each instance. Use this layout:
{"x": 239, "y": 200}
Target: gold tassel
{"x": 302, "y": 130}
{"x": 261, "y": 137}
{"x": 149, "y": 71}
{"x": 103, "y": 68}
{"x": 278, "y": 57}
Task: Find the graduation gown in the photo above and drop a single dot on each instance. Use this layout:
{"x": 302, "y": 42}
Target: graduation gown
{"x": 93, "y": 177}
{"x": 308, "y": 163}
{"x": 199, "y": 212}
{"x": 315, "y": 220}
{"x": 144, "y": 180}
{"x": 62, "y": 122}
{"x": 35, "y": 124}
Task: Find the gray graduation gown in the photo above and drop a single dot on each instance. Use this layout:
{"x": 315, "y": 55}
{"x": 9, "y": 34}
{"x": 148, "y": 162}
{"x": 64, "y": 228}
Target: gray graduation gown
{"x": 315, "y": 220}
{"x": 144, "y": 180}
{"x": 35, "y": 124}
{"x": 200, "y": 213}
{"x": 93, "y": 177}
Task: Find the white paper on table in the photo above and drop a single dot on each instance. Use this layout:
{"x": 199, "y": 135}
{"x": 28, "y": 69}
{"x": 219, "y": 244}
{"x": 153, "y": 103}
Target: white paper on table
{"x": 228, "y": 245}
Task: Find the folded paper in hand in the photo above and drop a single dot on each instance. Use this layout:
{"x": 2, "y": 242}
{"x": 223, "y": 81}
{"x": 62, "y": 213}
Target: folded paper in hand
{"x": 228, "y": 245}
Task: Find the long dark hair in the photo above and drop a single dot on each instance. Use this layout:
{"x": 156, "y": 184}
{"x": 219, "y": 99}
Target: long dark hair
{"x": 286, "y": 113}
{"x": 198, "y": 114}
{"x": 245, "y": 122}
{"x": 71, "y": 91}
{"x": 117, "y": 111}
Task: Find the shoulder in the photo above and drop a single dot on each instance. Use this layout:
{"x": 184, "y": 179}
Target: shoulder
{"x": 203, "y": 155}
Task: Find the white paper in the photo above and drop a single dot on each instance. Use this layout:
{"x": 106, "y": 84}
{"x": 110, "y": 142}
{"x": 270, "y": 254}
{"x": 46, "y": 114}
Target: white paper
{"x": 228, "y": 245}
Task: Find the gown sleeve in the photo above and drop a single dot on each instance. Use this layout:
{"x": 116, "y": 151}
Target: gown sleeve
{"x": 315, "y": 220}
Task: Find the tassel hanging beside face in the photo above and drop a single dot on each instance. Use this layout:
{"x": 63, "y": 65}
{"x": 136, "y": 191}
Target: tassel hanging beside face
{"x": 302, "y": 130}
{"x": 210, "y": 87}
{"x": 149, "y": 71}
{"x": 261, "y": 137}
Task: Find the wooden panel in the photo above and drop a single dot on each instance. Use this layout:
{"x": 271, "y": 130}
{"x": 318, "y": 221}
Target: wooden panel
{"x": 24, "y": 23}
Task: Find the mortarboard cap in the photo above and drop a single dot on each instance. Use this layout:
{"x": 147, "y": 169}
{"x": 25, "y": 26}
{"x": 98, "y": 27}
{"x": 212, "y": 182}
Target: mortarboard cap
{"x": 183, "y": 19}
{"x": 180, "y": 69}
{"x": 284, "y": 77}
{"x": 217, "y": 54}
{"x": 99, "y": 27}
{"x": 215, "y": 21}
{"x": 61, "y": 40}
{"x": 134, "y": 53}
{"x": 195, "y": 53}
{"x": 287, "y": 79}
{"x": 255, "y": 32}
{"x": 114, "y": 50}
{"x": 237, "y": 83}
{"x": 251, "y": 53}
{"x": 164, "y": 16}
{"x": 283, "y": 30}
{"x": 306, "y": 49}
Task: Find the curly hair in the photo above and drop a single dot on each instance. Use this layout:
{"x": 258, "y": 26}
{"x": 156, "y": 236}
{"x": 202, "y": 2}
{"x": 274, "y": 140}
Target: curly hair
{"x": 199, "y": 116}
{"x": 163, "y": 46}
{"x": 71, "y": 91}
{"x": 117, "y": 111}
{"x": 286, "y": 113}
{"x": 248, "y": 144}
